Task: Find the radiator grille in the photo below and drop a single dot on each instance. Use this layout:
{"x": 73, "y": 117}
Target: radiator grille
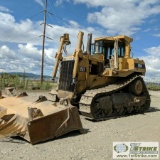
{"x": 66, "y": 71}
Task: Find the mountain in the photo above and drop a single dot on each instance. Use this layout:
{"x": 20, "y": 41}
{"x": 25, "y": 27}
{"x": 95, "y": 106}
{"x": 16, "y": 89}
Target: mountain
{"x": 29, "y": 75}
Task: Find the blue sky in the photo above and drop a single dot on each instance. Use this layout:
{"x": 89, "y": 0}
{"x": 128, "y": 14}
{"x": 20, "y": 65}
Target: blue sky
{"x": 20, "y": 44}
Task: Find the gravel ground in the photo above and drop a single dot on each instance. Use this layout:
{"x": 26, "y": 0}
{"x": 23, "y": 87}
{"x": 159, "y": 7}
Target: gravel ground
{"x": 95, "y": 144}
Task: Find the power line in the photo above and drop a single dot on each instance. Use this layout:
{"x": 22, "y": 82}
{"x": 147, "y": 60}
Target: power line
{"x": 35, "y": 15}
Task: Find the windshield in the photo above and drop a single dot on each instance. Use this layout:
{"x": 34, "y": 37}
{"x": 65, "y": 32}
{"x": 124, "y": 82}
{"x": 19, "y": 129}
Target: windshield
{"x": 107, "y": 48}
{"x": 98, "y": 47}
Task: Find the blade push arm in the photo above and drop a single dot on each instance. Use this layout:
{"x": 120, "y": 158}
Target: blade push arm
{"x": 78, "y": 53}
{"x": 64, "y": 40}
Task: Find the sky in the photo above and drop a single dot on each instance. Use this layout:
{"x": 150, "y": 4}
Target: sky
{"x": 21, "y": 29}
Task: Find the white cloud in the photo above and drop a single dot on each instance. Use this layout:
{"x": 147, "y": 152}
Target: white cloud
{"x": 27, "y": 57}
{"x": 147, "y": 30}
{"x": 59, "y": 2}
{"x": 152, "y": 61}
{"x": 121, "y": 17}
{"x": 74, "y": 24}
{"x": 116, "y": 3}
{"x": 6, "y": 53}
{"x": 33, "y": 53}
{"x": 156, "y": 35}
{"x": 29, "y": 51}
{"x": 19, "y": 32}
{"x": 4, "y": 9}
{"x": 154, "y": 51}
{"x": 8, "y": 59}
{"x": 40, "y": 2}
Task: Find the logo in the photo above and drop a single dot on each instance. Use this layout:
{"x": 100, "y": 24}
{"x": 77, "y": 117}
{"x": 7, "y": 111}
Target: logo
{"x": 119, "y": 148}
{"x": 135, "y": 150}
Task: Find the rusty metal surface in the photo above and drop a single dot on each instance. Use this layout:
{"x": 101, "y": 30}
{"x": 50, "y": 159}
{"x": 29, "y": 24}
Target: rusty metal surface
{"x": 12, "y": 125}
{"x": 54, "y": 125}
{"x": 36, "y": 120}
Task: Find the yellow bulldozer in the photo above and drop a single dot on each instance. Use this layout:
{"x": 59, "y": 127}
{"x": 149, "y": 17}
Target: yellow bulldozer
{"x": 102, "y": 82}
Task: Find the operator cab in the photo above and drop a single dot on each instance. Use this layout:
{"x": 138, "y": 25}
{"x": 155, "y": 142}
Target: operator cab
{"x": 112, "y": 48}
{"x": 107, "y": 47}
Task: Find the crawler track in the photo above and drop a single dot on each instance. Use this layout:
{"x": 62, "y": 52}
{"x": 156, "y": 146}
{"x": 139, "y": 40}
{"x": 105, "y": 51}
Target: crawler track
{"x": 114, "y": 100}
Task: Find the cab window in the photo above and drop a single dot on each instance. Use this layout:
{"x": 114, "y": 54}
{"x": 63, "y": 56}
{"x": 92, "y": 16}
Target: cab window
{"x": 107, "y": 49}
{"x": 98, "y": 47}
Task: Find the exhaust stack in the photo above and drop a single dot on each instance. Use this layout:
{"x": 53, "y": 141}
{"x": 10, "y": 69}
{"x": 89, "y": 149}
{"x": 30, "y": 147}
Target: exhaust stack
{"x": 89, "y": 42}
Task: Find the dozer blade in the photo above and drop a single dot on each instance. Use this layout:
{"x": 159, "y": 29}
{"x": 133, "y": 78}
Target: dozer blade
{"x": 36, "y": 120}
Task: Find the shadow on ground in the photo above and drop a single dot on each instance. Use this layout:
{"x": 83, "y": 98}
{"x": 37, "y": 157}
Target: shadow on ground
{"x": 20, "y": 140}
{"x": 68, "y": 135}
{"x": 150, "y": 110}
{"x": 13, "y": 140}
{"x": 153, "y": 109}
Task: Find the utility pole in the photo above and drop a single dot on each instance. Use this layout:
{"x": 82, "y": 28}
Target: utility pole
{"x": 43, "y": 40}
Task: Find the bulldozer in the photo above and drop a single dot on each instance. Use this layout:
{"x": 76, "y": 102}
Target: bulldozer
{"x": 104, "y": 81}
{"x": 100, "y": 83}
